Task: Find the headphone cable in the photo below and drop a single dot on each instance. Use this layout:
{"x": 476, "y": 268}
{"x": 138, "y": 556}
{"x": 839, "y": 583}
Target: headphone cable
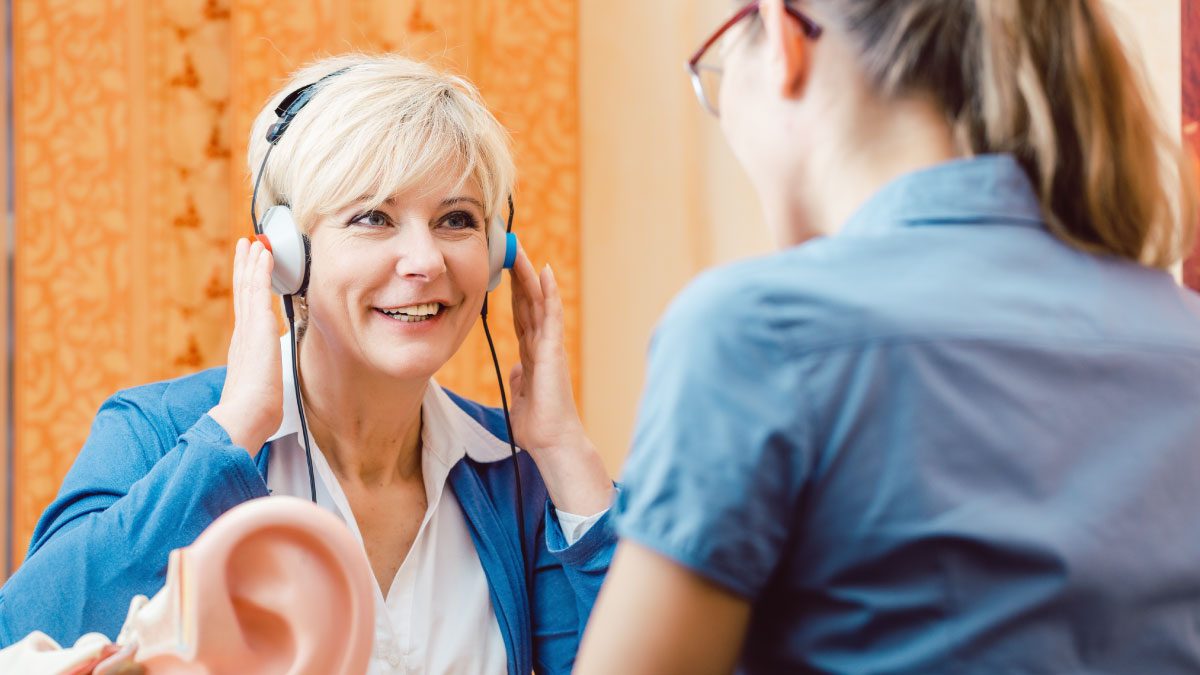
{"x": 512, "y": 446}
{"x": 291, "y": 319}
{"x": 254, "y": 195}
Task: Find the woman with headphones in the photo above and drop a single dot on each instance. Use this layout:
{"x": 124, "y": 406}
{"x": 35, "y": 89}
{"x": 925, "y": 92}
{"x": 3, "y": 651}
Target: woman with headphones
{"x": 951, "y": 425}
{"x": 396, "y": 180}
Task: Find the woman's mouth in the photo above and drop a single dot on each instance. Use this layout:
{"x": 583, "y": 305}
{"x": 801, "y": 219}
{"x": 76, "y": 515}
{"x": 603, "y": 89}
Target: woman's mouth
{"x": 413, "y": 313}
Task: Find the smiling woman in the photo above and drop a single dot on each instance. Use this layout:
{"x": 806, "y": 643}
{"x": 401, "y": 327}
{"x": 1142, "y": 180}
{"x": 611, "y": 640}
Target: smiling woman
{"x": 392, "y": 170}
{"x": 369, "y": 159}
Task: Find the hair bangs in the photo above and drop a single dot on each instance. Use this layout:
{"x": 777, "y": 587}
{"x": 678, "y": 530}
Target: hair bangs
{"x": 385, "y": 127}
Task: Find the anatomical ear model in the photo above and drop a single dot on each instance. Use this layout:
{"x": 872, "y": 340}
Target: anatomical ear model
{"x": 276, "y": 585}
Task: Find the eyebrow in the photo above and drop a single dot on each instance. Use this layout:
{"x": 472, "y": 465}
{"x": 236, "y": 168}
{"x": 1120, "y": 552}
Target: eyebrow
{"x": 458, "y": 200}
{"x": 451, "y": 201}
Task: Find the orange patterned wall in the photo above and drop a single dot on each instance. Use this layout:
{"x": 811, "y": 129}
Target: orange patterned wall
{"x": 130, "y": 141}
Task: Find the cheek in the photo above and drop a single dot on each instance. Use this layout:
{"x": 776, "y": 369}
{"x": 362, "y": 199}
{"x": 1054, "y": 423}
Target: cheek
{"x": 467, "y": 262}
{"x": 747, "y": 121}
{"x": 339, "y": 272}
{"x": 739, "y": 98}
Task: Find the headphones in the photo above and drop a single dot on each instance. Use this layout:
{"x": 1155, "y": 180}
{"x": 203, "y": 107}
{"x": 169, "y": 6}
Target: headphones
{"x": 292, "y": 255}
{"x": 277, "y": 230}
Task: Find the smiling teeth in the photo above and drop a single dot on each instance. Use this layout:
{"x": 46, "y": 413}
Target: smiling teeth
{"x": 414, "y": 312}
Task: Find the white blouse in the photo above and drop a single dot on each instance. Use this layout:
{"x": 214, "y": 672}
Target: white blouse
{"x": 437, "y": 616}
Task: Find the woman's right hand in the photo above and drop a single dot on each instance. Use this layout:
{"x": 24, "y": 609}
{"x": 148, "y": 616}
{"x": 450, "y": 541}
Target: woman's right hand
{"x": 251, "y": 405}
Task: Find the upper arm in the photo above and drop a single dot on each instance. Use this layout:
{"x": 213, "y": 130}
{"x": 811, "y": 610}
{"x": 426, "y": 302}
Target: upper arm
{"x": 656, "y": 616}
{"x": 126, "y": 503}
{"x": 719, "y": 462}
{"x": 122, "y": 447}
{"x": 720, "y": 453}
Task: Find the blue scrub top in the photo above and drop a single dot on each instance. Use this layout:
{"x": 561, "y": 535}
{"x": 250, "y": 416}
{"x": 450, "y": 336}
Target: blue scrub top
{"x": 939, "y": 441}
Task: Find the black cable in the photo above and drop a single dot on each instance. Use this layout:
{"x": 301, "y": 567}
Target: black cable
{"x": 512, "y": 446}
{"x": 291, "y": 319}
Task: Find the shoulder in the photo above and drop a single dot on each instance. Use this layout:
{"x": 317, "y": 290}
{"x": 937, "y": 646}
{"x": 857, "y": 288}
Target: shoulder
{"x": 762, "y": 307}
{"x": 171, "y": 406}
{"x": 827, "y": 293}
{"x": 726, "y": 304}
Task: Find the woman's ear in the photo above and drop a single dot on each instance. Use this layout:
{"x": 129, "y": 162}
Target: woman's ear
{"x": 790, "y": 53}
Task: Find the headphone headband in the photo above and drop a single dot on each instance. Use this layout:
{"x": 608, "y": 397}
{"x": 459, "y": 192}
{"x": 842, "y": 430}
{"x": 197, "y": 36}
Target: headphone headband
{"x": 293, "y": 103}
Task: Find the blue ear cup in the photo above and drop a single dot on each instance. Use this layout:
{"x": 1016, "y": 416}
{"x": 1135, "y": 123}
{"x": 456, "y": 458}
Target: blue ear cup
{"x": 290, "y": 250}
{"x": 510, "y": 253}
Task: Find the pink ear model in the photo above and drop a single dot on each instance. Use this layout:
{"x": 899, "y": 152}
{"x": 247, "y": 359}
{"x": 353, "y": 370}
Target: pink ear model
{"x": 276, "y": 585}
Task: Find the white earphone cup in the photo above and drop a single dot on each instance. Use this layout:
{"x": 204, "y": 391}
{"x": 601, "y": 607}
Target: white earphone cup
{"x": 288, "y": 248}
{"x": 497, "y": 251}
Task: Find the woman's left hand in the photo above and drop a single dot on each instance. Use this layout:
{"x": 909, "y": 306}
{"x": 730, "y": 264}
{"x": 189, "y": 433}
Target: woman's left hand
{"x": 544, "y": 417}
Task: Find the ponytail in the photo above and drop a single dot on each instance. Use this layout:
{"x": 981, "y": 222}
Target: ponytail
{"x": 1049, "y": 82}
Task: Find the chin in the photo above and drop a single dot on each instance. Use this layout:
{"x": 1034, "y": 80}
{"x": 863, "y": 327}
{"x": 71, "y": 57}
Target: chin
{"x": 407, "y": 362}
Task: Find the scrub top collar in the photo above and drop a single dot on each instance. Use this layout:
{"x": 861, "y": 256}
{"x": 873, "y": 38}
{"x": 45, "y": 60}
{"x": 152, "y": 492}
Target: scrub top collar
{"x": 982, "y": 190}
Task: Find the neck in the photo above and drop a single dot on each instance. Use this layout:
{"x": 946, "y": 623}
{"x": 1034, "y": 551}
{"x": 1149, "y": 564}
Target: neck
{"x": 876, "y": 143}
{"x": 367, "y": 425}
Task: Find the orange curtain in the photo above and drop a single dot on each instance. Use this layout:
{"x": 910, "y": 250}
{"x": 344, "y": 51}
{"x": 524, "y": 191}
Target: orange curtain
{"x": 131, "y": 119}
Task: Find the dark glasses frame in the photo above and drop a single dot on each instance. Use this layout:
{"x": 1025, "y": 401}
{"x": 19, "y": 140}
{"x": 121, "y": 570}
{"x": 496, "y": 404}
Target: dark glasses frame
{"x": 811, "y": 29}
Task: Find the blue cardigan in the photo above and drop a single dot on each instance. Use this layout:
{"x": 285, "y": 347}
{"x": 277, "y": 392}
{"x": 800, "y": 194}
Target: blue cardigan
{"x": 156, "y": 470}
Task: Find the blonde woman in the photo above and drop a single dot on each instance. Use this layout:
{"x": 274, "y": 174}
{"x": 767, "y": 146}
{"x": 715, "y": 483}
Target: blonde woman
{"x": 951, "y": 425}
{"x": 393, "y": 171}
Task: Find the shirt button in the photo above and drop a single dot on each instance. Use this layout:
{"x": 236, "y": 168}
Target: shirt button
{"x": 394, "y": 659}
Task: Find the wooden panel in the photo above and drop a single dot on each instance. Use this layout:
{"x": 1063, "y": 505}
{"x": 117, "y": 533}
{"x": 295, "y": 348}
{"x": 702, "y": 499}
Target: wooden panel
{"x": 72, "y": 268}
{"x": 5, "y": 224}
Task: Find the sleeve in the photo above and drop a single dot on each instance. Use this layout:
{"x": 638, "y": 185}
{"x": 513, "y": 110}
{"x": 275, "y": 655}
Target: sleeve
{"x": 719, "y": 453}
{"x": 127, "y": 502}
{"x": 567, "y": 579}
{"x": 574, "y": 526}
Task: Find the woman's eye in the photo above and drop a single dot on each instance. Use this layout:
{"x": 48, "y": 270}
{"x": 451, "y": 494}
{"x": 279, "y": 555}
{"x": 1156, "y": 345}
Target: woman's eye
{"x": 372, "y": 219}
{"x": 460, "y": 220}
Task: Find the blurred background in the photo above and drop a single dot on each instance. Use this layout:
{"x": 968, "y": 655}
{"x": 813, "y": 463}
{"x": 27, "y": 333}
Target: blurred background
{"x": 125, "y": 184}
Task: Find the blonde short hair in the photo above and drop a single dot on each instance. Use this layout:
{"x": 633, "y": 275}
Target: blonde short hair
{"x": 387, "y": 125}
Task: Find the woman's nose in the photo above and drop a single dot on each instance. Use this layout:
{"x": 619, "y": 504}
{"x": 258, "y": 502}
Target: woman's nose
{"x": 419, "y": 256}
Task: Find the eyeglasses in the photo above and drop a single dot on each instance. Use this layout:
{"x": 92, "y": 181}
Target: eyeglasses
{"x": 706, "y": 66}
